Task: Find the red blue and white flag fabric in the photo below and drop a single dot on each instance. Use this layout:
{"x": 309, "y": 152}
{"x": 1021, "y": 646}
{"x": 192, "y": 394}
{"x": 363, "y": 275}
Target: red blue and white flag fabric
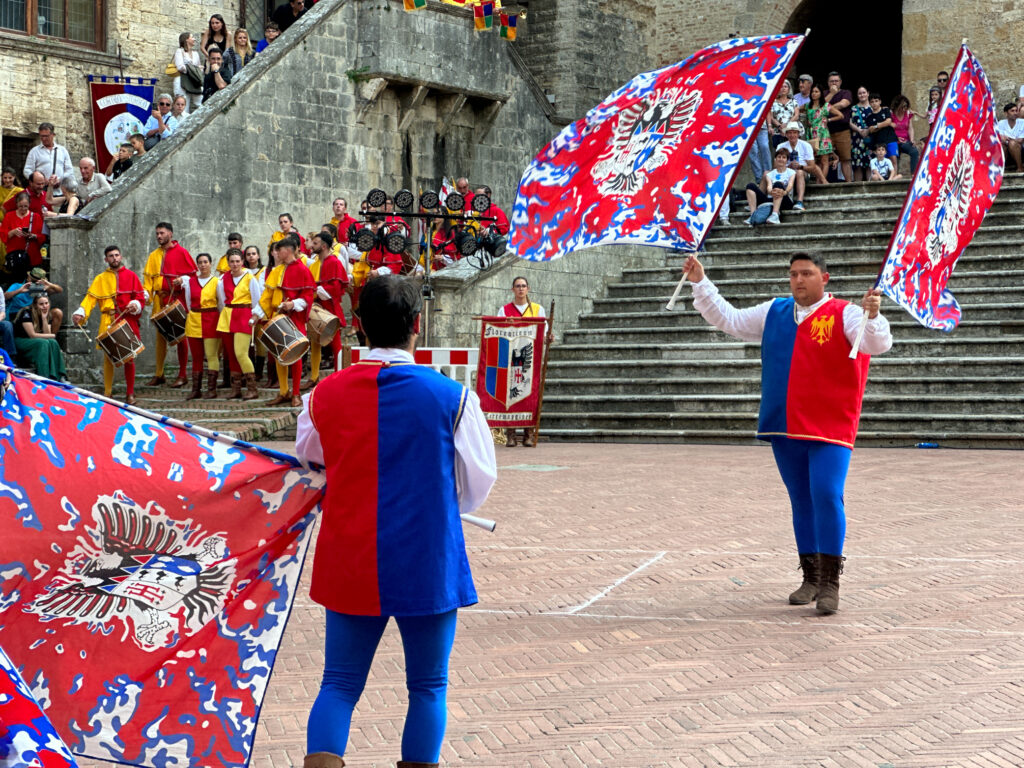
{"x": 957, "y": 179}
{"x": 147, "y": 570}
{"x": 652, "y": 163}
{"x": 120, "y": 107}
{"x": 27, "y": 738}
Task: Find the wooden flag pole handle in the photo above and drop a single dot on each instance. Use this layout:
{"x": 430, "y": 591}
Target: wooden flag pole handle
{"x": 860, "y": 336}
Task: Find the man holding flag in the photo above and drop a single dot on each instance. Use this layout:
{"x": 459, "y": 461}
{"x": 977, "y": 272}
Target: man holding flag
{"x": 811, "y": 394}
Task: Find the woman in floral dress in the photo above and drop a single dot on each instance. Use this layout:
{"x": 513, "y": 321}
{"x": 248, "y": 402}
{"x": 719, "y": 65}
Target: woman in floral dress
{"x": 816, "y": 113}
{"x": 861, "y": 149}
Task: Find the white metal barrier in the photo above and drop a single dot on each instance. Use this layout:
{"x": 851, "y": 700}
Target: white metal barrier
{"x": 456, "y": 363}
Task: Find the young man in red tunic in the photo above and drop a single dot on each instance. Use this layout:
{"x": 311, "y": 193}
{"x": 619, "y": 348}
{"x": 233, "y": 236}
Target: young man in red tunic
{"x": 811, "y": 394}
{"x": 118, "y": 293}
{"x": 331, "y": 284}
{"x": 289, "y": 290}
{"x": 177, "y": 267}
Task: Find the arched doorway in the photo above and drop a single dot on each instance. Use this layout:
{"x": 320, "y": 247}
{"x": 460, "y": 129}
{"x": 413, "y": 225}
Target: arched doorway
{"x": 864, "y": 44}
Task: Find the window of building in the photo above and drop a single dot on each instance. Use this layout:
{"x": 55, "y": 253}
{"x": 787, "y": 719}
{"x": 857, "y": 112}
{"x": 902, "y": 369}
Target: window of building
{"x": 72, "y": 21}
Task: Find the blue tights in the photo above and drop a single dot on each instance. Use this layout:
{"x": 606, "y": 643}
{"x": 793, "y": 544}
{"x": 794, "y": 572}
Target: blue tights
{"x": 815, "y": 476}
{"x": 350, "y": 645}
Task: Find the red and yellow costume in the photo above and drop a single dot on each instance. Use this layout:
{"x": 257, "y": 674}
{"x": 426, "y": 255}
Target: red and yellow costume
{"x": 289, "y": 282}
{"x": 235, "y": 322}
{"x": 162, "y": 266}
{"x": 201, "y": 331}
{"x": 112, "y": 291}
{"x": 330, "y": 275}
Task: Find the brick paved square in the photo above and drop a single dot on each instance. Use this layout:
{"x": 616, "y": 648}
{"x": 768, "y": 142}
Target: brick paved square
{"x": 633, "y": 614}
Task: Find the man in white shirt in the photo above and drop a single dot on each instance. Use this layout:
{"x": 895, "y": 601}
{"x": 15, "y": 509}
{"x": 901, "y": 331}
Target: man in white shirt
{"x": 801, "y": 160}
{"x": 803, "y": 94}
{"x": 49, "y": 158}
{"x": 811, "y": 393}
{"x": 1011, "y": 133}
{"x": 91, "y": 184}
{"x": 161, "y": 123}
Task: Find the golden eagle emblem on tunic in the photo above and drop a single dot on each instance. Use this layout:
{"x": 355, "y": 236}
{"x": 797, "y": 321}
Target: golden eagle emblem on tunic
{"x": 821, "y": 329}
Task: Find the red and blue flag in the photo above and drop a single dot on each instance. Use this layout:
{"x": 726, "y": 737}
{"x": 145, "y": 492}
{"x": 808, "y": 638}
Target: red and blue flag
{"x": 653, "y": 162}
{"x": 27, "y": 737}
{"x": 956, "y": 182}
{"x": 148, "y": 570}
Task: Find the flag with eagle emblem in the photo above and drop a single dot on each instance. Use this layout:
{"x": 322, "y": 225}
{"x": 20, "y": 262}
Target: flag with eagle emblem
{"x": 956, "y": 182}
{"x": 652, "y": 163}
{"x": 148, "y": 571}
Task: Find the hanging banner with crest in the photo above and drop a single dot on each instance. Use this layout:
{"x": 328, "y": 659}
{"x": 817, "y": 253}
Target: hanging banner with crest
{"x": 508, "y": 380}
{"x": 148, "y": 571}
{"x": 120, "y": 107}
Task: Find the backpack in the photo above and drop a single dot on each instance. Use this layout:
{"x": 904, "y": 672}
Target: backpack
{"x": 761, "y": 214}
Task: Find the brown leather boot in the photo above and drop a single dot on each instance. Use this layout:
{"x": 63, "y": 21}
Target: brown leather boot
{"x": 409, "y": 764}
{"x": 828, "y": 590}
{"x": 322, "y": 760}
{"x": 211, "y": 385}
{"x": 809, "y": 589}
{"x": 197, "y": 387}
{"x": 510, "y": 438}
{"x": 236, "y": 386}
{"x": 251, "y": 392}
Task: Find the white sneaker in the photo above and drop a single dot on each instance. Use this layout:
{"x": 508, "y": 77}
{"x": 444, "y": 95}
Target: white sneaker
{"x": 748, "y": 222}
{"x": 774, "y": 219}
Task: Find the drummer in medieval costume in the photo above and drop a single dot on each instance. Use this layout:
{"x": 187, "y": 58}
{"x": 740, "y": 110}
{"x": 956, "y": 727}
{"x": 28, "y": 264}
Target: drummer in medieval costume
{"x": 164, "y": 276}
{"x": 201, "y": 327}
{"x": 120, "y": 297}
{"x": 331, "y": 284}
{"x": 289, "y": 290}
{"x": 239, "y": 292}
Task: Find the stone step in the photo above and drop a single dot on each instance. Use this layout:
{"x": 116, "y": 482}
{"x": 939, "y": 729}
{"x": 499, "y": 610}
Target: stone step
{"x": 906, "y": 367}
{"x": 659, "y": 296}
{"x": 748, "y": 268}
{"x": 902, "y": 329}
{"x": 835, "y": 218}
{"x": 801, "y": 239}
{"x": 887, "y": 438}
{"x": 1011, "y": 182}
{"x": 937, "y": 346}
{"x": 747, "y": 382}
{"x": 749, "y": 402}
{"x": 684, "y": 316}
{"x": 767, "y": 249}
{"x": 779, "y": 285}
{"x": 923, "y": 426}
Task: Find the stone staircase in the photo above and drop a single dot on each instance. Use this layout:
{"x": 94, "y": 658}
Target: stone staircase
{"x": 634, "y": 372}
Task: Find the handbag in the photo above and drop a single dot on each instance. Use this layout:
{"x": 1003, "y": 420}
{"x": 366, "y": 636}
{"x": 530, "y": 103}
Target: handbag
{"x": 171, "y": 70}
{"x": 192, "y": 81}
{"x": 16, "y": 262}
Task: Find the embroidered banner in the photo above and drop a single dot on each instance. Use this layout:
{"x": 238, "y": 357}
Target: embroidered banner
{"x": 120, "y": 107}
{"x": 956, "y": 182}
{"x": 508, "y": 379}
{"x": 653, "y": 162}
{"x": 148, "y": 572}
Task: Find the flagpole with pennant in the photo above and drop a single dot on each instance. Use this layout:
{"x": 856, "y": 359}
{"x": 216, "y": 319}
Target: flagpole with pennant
{"x": 956, "y": 182}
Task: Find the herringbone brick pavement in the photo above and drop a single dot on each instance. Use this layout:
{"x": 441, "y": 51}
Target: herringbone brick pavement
{"x": 633, "y": 614}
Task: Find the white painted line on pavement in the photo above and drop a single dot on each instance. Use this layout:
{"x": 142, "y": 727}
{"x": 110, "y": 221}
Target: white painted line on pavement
{"x": 608, "y": 589}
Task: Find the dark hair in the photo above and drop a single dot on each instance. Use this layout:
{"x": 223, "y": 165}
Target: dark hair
{"x": 290, "y": 218}
{"x": 271, "y": 25}
{"x": 782, "y": 151}
{"x": 290, "y": 239}
{"x": 47, "y": 127}
{"x": 125, "y": 145}
{"x": 874, "y": 95}
{"x": 110, "y": 248}
{"x": 259, "y": 257}
{"x": 164, "y": 225}
{"x": 183, "y": 38}
{"x": 328, "y": 227}
{"x": 8, "y": 169}
{"x": 520, "y": 277}
{"x": 325, "y": 237}
{"x": 232, "y": 251}
{"x": 1007, "y": 108}
{"x": 815, "y": 258}
{"x": 388, "y": 307}
{"x": 943, "y": 72}
{"x": 342, "y": 200}
{"x": 486, "y": 189}
{"x": 209, "y": 258}
{"x": 223, "y": 28}
{"x": 833, "y": 73}
{"x": 235, "y": 236}
{"x": 896, "y": 102}
{"x": 821, "y": 93}
{"x": 138, "y": 136}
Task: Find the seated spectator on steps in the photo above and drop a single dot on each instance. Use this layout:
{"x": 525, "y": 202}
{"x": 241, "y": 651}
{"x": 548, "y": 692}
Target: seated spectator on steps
{"x": 138, "y": 142}
{"x": 218, "y": 77}
{"x": 120, "y": 163}
{"x": 20, "y": 295}
{"x": 801, "y": 160}
{"x": 161, "y": 123}
{"x": 22, "y": 230}
{"x": 35, "y": 338}
{"x": 288, "y": 13}
{"x": 69, "y": 203}
{"x": 37, "y": 194}
{"x": 776, "y": 187}
{"x": 240, "y": 54}
{"x": 92, "y": 184}
{"x": 179, "y": 109}
{"x": 270, "y": 33}
{"x": 1011, "y": 134}
{"x": 903, "y": 124}
{"x": 881, "y": 166}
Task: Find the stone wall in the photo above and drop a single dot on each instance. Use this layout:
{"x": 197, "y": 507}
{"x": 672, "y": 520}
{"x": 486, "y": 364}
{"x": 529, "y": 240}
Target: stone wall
{"x": 43, "y": 80}
{"x": 295, "y": 131}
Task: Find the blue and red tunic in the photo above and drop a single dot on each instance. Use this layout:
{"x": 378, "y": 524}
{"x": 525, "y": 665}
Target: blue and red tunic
{"x": 810, "y": 388}
{"x": 390, "y": 541}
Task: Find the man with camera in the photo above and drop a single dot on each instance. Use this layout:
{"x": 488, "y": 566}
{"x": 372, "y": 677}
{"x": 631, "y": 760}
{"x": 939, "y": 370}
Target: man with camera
{"x": 21, "y": 295}
{"x": 161, "y": 124}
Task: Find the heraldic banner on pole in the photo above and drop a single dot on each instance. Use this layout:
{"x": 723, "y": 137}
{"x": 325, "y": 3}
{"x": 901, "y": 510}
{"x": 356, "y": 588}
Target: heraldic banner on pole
{"x": 508, "y": 379}
{"x": 148, "y": 572}
{"x": 120, "y": 107}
